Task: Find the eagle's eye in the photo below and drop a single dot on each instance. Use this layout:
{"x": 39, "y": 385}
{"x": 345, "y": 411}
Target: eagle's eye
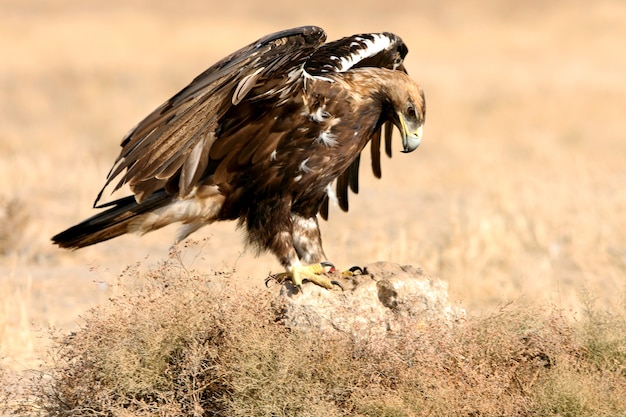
{"x": 410, "y": 112}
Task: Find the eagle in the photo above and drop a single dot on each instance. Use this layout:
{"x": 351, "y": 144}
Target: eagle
{"x": 267, "y": 136}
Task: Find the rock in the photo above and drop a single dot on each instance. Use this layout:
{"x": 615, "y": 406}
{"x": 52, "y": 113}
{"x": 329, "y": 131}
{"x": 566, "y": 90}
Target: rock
{"x": 386, "y": 299}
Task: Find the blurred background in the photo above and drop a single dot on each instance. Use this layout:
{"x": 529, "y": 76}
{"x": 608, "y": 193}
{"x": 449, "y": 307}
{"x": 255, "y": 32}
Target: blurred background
{"x": 517, "y": 192}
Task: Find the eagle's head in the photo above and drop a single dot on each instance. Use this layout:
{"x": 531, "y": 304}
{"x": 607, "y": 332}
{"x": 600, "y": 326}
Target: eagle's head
{"x": 408, "y": 110}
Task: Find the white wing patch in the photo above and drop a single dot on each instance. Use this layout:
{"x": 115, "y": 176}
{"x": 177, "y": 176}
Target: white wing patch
{"x": 372, "y": 47}
{"x": 361, "y": 47}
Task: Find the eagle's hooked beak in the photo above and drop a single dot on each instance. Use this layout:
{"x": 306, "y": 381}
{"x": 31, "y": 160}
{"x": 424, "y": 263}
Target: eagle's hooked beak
{"x": 411, "y": 135}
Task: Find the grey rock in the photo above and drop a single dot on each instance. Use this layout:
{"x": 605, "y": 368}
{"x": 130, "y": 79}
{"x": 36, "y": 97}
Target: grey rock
{"x": 387, "y": 298}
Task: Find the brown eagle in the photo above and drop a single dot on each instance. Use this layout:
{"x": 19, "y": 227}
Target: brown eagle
{"x": 261, "y": 136}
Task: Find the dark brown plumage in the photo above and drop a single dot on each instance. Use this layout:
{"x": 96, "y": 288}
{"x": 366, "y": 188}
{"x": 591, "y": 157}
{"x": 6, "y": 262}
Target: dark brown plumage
{"x": 260, "y": 137}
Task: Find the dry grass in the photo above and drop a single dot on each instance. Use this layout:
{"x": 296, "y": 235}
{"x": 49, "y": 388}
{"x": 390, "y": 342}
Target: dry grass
{"x": 14, "y": 218}
{"x": 188, "y": 344}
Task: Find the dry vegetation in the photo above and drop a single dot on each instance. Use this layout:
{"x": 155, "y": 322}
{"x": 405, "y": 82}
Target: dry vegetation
{"x": 187, "y": 344}
{"x": 14, "y": 219}
{"x": 516, "y": 194}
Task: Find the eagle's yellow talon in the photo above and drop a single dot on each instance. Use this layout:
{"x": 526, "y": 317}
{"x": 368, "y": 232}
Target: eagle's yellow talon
{"x": 299, "y": 273}
{"x": 315, "y": 273}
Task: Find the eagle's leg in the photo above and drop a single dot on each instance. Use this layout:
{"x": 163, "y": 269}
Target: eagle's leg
{"x": 302, "y": 255}
{"x": 307, "y": 241}
{"x": 297, "y": 244}
{"x": 305, "y": 259}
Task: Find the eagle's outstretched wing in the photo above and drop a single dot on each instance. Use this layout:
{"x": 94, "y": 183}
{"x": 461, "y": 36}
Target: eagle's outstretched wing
{"x": 170, "y": 147}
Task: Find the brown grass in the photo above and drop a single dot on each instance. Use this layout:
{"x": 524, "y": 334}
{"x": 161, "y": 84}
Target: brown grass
{"x": 190, "y": 344}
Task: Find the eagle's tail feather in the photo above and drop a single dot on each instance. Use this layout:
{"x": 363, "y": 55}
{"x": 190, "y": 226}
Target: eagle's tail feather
{"x": 114, "y": 222}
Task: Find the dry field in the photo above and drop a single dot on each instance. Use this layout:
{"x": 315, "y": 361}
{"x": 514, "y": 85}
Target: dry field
{"x": 517, "y": 192}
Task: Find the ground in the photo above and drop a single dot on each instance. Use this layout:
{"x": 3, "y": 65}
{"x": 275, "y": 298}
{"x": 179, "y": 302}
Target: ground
{"x": 516, "y": 193}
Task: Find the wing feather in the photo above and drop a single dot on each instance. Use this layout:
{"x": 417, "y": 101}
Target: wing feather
{"x": 244, "y": 86}
{"x": 384, "y": 50}
{"x": 195, "y": 163}
{"x": 324, "y": 208}
{"x": 350, "y": 177}
{"x": 353, "y": 174}
{"x": 342, "y": 191}
{"x": 388, "y": 133}
{"x": 375, "y": 153}
{"x": 169, "y": 144}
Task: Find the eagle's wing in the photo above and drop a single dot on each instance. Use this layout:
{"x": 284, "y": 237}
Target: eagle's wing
{"x": 170, "y": 147}
{"x": 384, "y": 50}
